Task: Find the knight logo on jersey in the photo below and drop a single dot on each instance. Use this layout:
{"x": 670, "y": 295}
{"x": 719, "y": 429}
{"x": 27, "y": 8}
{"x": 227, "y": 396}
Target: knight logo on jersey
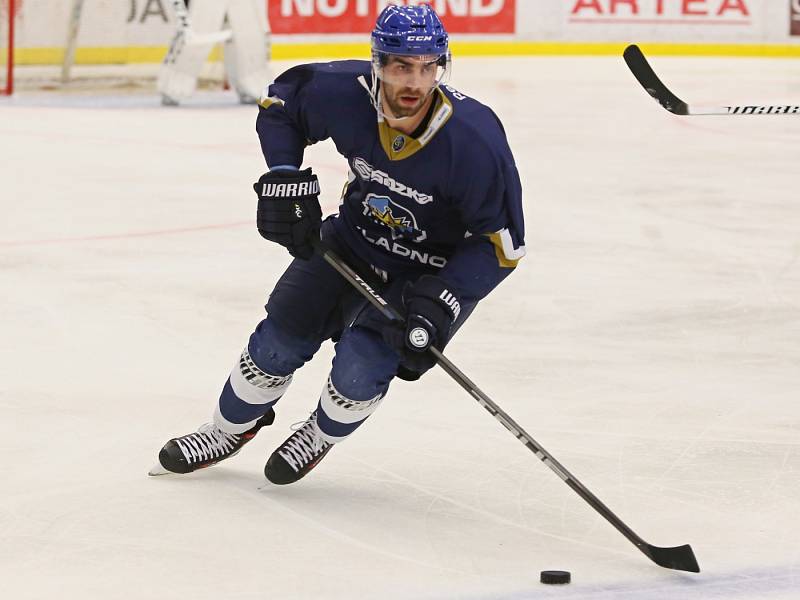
{"x": 399, "y": 219}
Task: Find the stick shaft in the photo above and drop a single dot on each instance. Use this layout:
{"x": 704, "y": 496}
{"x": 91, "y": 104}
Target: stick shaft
{"x": 72, "y": 40}
{"x": 492, "y": 408}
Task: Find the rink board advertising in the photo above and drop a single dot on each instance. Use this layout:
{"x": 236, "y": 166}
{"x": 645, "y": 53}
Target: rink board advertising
{"x": 138, "y": 31}
{"x": 358, "y": 16}
{"x": 661, "y": 12}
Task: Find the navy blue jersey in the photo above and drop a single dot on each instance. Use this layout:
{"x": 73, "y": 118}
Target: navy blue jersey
{"x": 448, "y": 201}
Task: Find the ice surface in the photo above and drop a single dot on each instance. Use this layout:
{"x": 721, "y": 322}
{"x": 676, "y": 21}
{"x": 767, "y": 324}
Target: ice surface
{"x": 650, "y": 341}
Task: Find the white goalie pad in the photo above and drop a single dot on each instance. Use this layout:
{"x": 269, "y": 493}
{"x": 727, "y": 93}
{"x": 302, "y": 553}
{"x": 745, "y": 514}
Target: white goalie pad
{"x": 199, "y": 29}
{"x": 248, "y": 51}
{"x": 189, "y": 48}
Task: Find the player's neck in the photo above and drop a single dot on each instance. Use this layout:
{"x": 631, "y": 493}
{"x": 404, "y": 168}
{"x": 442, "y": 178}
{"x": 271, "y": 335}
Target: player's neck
{"x": 410, "y": 124}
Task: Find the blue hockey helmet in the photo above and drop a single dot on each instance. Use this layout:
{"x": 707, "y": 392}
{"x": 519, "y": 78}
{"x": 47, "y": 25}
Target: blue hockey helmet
{"x": 413, "y": 32}
{"x": 410, "y": 31}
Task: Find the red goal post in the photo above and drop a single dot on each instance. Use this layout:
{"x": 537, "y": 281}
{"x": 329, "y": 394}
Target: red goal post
{"x": 8, "y": 10}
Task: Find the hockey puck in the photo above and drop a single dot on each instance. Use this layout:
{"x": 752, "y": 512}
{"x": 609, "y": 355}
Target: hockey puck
{"x": 557, "y": 577}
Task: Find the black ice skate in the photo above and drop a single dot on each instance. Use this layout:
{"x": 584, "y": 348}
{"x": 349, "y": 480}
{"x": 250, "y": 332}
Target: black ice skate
{"x": 206, "y": 447}
{"x": 300, "y": 453}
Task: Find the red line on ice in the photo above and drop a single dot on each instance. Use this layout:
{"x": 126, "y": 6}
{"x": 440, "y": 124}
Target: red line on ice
{"x": 122, "y": 236}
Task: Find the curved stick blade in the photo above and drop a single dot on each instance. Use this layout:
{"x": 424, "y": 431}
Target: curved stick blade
{"x": 680, "y": 558}
{"x": 645, "y": 75}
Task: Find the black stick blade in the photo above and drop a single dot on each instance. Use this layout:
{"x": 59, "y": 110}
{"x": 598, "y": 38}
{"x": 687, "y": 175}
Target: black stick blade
{"x": 645, "y": 75}
{"x": 680, "y": 558}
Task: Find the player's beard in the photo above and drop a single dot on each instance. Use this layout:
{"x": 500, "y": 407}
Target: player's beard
{"x": 404, "y": 102}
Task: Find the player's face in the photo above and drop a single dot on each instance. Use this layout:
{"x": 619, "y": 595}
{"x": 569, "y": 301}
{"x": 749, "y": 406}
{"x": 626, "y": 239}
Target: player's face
{"x": 407, "y": 83}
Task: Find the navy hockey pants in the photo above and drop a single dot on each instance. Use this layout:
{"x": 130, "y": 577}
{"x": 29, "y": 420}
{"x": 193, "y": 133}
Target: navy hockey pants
{"x": 310, "y": 304}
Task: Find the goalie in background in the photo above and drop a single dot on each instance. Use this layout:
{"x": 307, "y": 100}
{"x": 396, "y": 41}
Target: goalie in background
{"x": 246, "y": 50}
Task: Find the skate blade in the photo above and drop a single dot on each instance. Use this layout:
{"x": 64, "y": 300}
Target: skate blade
{"x": 158, "y": 470}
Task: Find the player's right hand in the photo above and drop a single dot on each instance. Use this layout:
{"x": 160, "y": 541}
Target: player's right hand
{"x": 288, "y": 210}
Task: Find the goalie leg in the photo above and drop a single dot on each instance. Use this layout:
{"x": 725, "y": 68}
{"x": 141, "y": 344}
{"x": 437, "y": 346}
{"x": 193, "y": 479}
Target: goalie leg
{"x": 189, "y": 48}
{"x": 247, "y": 52}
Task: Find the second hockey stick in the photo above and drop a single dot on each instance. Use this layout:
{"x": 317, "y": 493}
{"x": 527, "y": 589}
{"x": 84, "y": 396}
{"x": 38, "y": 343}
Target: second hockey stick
{"x": 680, "y": 558}
{"x": 647, "y": 77}
{"x": 72, "y": 40}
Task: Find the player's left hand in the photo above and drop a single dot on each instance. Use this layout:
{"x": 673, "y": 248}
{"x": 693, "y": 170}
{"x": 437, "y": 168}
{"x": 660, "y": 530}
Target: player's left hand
{"x": 431, "y": 310}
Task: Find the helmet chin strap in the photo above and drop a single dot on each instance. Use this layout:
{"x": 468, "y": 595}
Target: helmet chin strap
{"x": 374, "y": 92}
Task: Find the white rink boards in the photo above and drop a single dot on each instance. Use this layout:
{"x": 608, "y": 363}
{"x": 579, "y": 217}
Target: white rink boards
{"x": 650, "y": 341}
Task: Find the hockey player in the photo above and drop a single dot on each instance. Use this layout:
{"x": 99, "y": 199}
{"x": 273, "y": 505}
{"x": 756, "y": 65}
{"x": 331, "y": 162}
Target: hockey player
{"x": 246, "y": 48}
{"x": 432, "y": 212}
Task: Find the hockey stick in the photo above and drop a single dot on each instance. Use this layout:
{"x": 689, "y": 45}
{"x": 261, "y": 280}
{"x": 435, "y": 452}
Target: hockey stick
{"x": 644, "y": 73}
{"x": 680, "y": 558}
{"x": 72, "y": 40}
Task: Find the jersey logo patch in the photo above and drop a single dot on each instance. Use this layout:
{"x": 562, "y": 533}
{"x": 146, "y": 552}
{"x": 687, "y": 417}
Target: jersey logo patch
{"x": 369, "y": 174}
{"x": 398, "y": 143}
{"x": 398, "y": 219}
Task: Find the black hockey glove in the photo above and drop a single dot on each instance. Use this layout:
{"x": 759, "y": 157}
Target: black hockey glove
{"x": 431, "y": 310}
{"x": 288, "y": 210}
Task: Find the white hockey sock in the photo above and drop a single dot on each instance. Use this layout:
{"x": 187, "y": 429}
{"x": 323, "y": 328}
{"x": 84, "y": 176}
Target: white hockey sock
{"x": 251, "y": 386}
{"x": 338, "y": 416}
